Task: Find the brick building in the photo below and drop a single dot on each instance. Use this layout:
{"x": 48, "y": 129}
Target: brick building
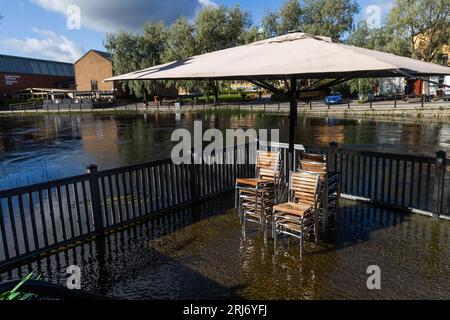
{"x": 18, "y": 73}
{"x": 90, "y": 71}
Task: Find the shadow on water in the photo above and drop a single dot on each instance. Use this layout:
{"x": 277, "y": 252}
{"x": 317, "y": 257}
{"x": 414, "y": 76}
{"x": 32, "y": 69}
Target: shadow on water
{"x": 127, "y": 263}
{"x": 198, "y": 253}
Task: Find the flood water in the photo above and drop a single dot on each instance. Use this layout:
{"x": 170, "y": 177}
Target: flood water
{"x": 201, "y": 255}
{"x": 37, "y": 148}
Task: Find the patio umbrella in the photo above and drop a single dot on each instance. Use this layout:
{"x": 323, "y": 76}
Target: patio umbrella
{"x": 289, "y": 58}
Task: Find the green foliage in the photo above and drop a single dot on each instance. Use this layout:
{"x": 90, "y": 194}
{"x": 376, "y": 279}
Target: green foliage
{"x": 331, "y": 18}
{"x": 215, "y": 28}
{"x": 15, "y": 294}
{"x": 137, "y": 51}
{"x": 408, "y": 20}
{"x": 290, "y": 16}
{"x": 363, "y": 86}
{"x": 218, "y": 28}
{"x": 411, "y": 18}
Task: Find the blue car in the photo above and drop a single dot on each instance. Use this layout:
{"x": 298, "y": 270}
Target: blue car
{"x": 334, "y": 98}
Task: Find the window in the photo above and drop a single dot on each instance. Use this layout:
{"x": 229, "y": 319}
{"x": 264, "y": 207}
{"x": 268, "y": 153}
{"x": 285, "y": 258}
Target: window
{"x": 94, "y": 85}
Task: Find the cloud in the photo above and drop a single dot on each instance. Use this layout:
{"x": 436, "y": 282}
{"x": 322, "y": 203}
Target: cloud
{"x": 112, "y": 15}
{"x": 49, "y": 45}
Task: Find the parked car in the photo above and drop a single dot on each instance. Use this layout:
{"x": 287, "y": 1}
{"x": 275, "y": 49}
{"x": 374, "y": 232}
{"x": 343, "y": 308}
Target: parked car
{"x": 334, "y": 98}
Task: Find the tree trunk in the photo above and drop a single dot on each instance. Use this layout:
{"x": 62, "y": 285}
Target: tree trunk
{"x": 215, "y": 90}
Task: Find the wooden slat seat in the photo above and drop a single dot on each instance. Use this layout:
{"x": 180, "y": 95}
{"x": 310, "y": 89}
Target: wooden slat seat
{"x": 296, "y": 217}
{"x": 255, "y": 197}
{"x": 330, "y": 189}
{"x": 297, "y": 209}
{"x": 253, "y": 182}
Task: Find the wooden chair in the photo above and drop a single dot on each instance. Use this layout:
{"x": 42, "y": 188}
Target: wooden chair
{"x": 329, "y": 182}
{"x": 296, "y": 218}
{"x": 255, "y": 197}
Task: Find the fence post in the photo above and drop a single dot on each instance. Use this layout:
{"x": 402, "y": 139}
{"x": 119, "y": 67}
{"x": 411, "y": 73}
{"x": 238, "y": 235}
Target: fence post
{"x": 333, "y": 150}
{"x": 422, "y": 100}
{"x": 395, "y": 100}
{"x": 348, "y": 103}
{"x": 194, "y": 170}
{"x": 439, "y": 180}
{"x": 94, "y": 188}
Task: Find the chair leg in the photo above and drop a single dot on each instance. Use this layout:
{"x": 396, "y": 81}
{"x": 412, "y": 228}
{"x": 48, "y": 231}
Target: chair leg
{"x": 274, "y": 230}
{"x": 263, "y": 215}
{"x": 239, "y": 205}
{"x": 265, "y": 232}
{"x": 301, "y": 245}
{"x": 236, "y": 198}
{"x": 243, "y": 226}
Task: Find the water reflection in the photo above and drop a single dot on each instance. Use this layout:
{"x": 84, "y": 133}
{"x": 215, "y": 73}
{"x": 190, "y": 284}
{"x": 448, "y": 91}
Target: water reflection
{"x": 42, "y": 147}
{"x": 199, "y": 254}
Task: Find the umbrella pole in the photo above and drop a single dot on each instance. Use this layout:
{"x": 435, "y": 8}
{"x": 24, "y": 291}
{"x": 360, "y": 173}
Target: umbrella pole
{"x": 292, "y": 120}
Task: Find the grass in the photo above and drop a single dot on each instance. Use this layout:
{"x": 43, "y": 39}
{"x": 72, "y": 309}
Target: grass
{"x": 15, "y": 294}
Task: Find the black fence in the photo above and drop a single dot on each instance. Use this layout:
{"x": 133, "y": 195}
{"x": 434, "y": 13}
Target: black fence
{"x": 408, "y": 182}
{"x": 39, "y": 218}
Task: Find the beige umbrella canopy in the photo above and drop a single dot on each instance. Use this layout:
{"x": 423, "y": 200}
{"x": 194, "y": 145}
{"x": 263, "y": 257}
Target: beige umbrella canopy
{"x": 295, "y": 54}
{"x": 291, "y": 57}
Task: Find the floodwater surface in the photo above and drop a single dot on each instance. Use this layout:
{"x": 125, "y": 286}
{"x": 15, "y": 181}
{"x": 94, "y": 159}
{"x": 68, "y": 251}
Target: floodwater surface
{"x": 38, "y": 148}
{"x": 201, "y": 255}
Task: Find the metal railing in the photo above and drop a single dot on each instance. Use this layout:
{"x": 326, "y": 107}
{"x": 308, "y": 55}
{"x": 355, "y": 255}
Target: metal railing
{"x": 24, "y": 107}
{"x": 408, "y": 182}
{"x": 39, "y": 218}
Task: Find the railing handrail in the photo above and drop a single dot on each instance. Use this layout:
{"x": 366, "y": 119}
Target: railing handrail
{"x": 43, "y": 185}
{"x": 378, "y": 154}
{"x": 25, "y": 105}
{"x": 85, "y": 177}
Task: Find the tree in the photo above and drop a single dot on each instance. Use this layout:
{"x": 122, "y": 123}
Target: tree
{"x": 270, "y": 24}
{"x": 180, "y": 44}
{"x": 134, "y": 52}
{"x": 331, "y": 18}
{"x": 290, "y": 17}
{"x": 424, "y": 24}
{"x": 218, "y": 28}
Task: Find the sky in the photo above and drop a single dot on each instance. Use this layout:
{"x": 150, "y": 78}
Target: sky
{"x": 63, "y": 30}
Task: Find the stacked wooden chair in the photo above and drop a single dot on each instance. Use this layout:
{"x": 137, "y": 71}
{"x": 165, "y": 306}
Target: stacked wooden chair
{"x": 255, "y": 197}
{"x": 297, "y": 217}
{"x": 329, "y": 182}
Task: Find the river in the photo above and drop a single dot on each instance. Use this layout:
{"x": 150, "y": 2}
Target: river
{"x": 38, "y": 148}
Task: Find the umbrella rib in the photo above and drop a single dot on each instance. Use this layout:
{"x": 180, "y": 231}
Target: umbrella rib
{"x": 335, "y": 82}
{"x": 266, "y": 86}
{"x": 422, "y": 78}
